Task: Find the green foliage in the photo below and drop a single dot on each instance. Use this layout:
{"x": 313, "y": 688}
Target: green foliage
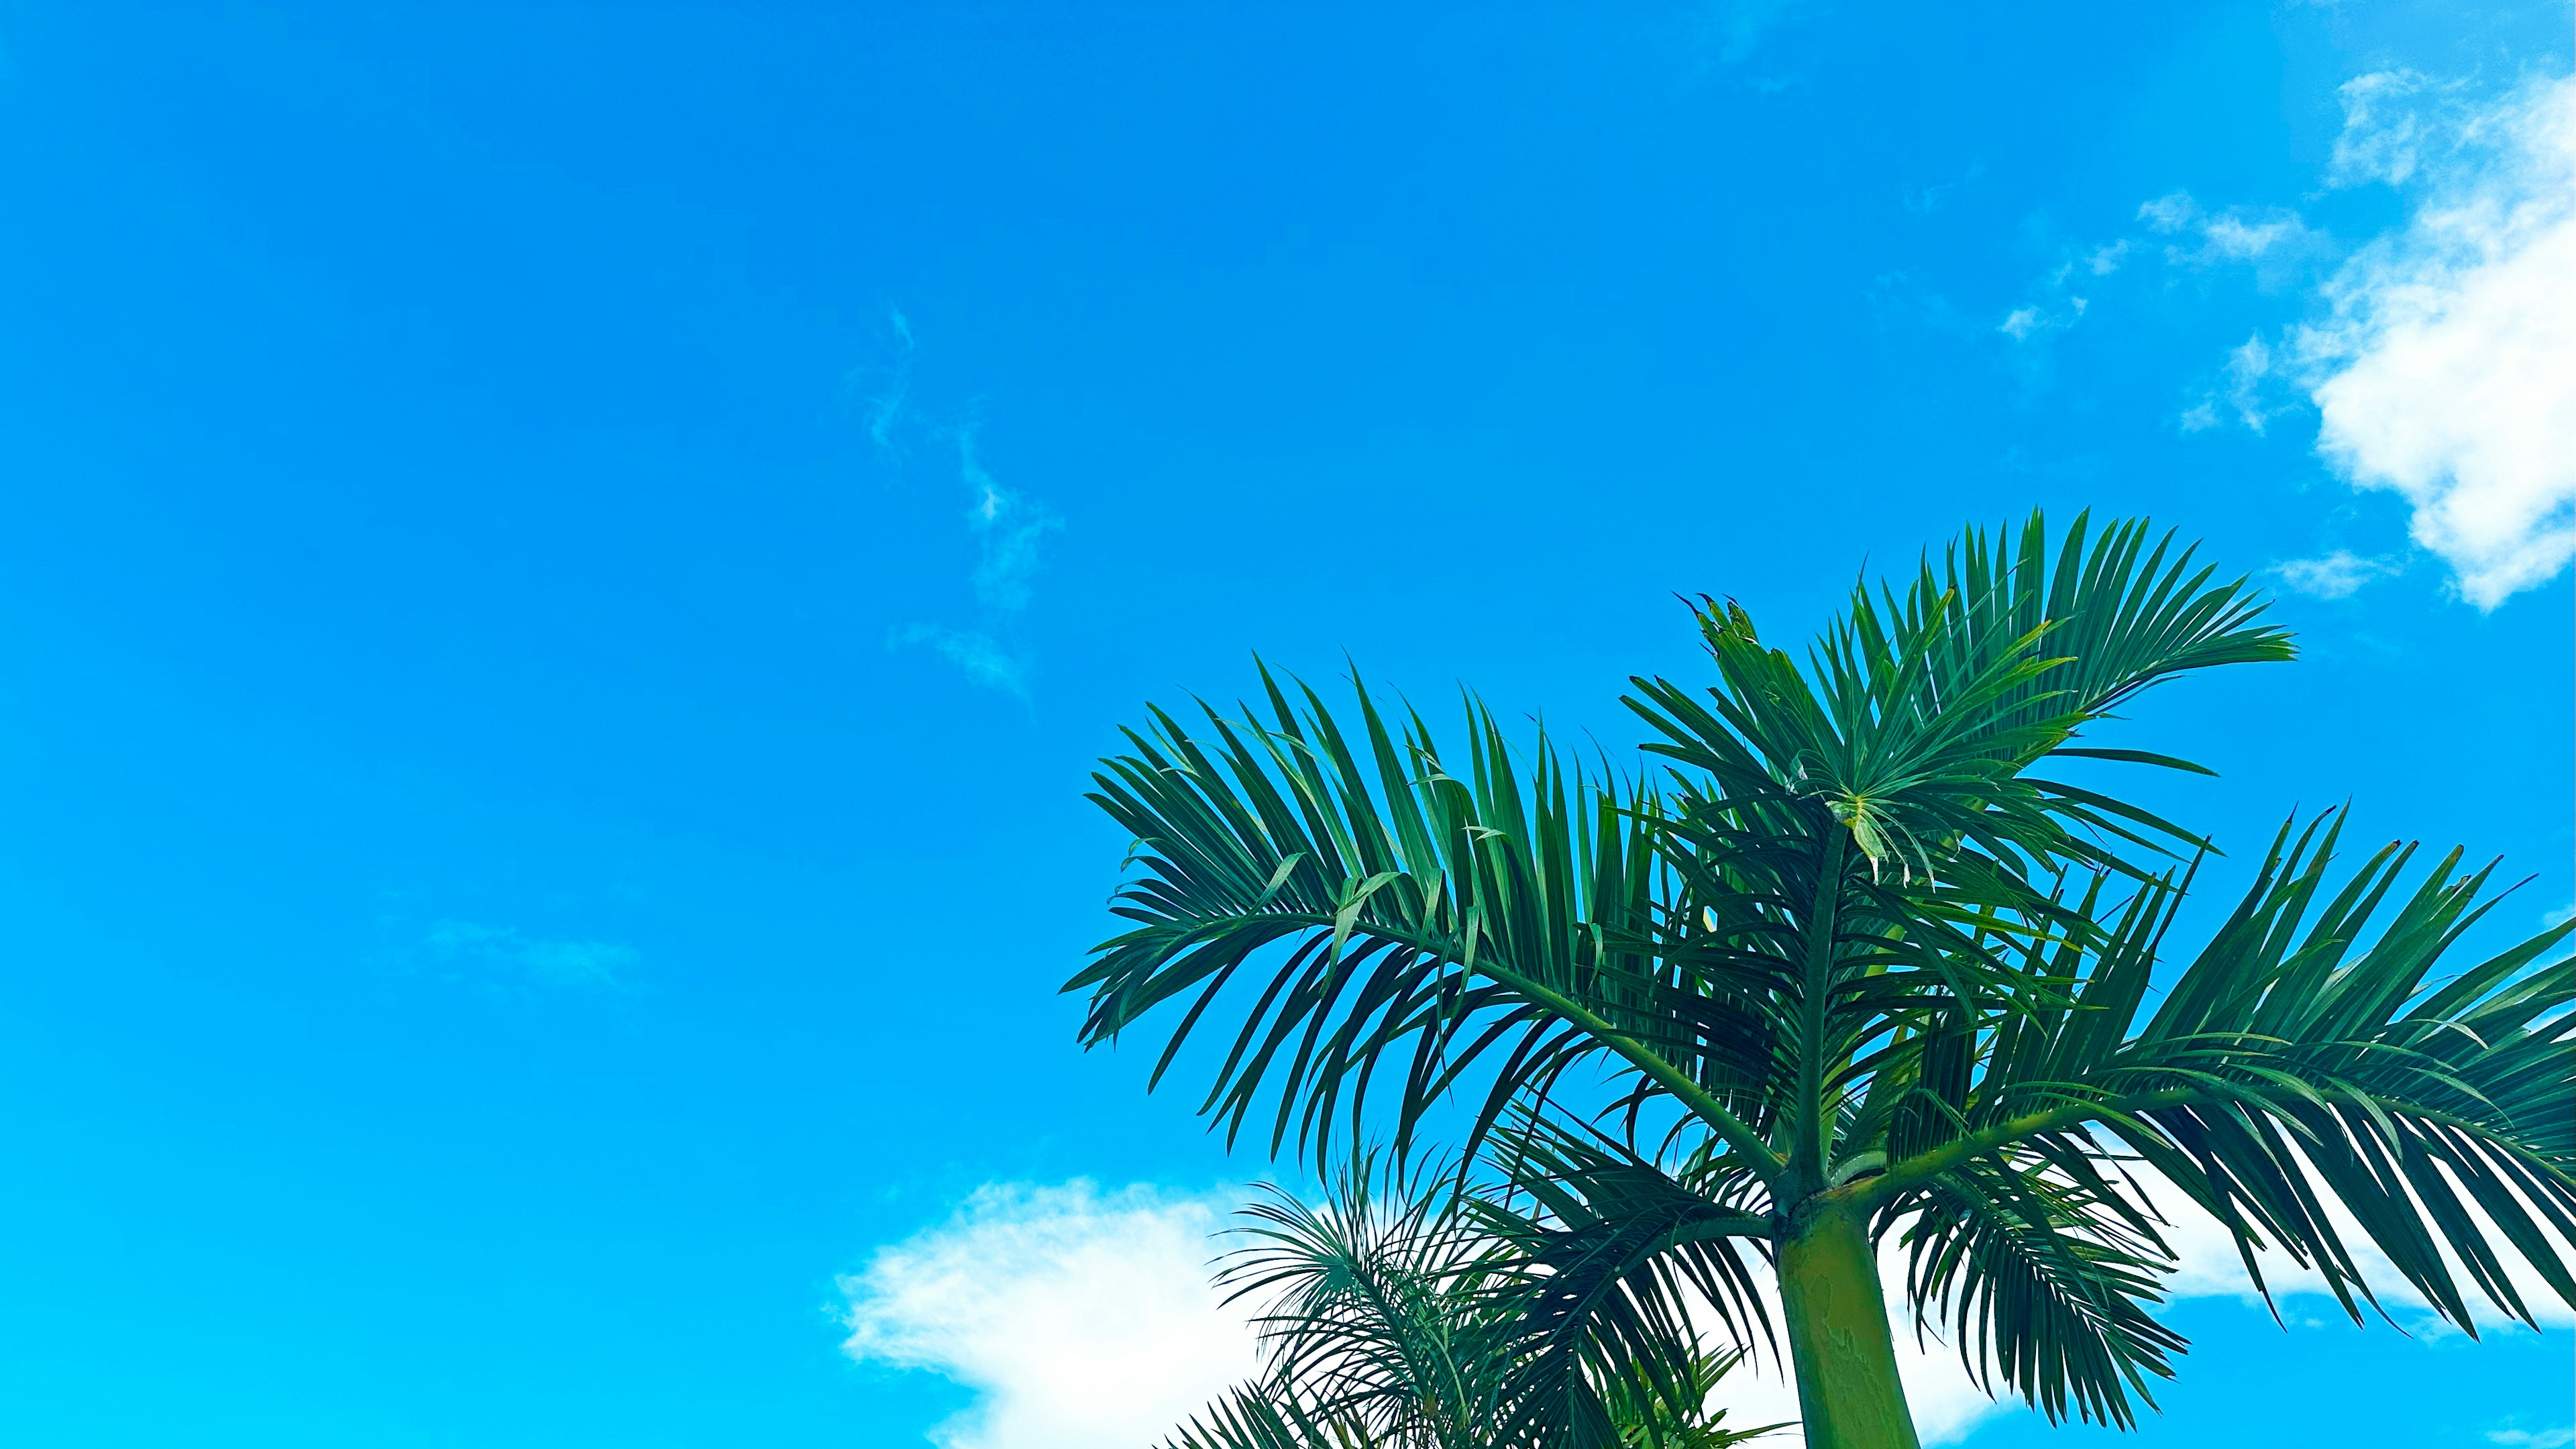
{"x": 1858, "y": 946}
{"x": 1397, "y": 1321}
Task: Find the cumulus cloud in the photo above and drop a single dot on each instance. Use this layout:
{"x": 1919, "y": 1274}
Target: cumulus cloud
{"x": 2441, "y": 355}
{"x": 1083, "y": 1319}
{"x": 2211, "y": 1268}
{"x": 2445, "y": 366}
{"x": 1086, "y": 1318}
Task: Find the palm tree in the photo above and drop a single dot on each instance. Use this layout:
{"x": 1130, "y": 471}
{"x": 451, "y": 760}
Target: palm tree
{"x": 1855, "y": 972}
{"x": 1397, "y": 1321}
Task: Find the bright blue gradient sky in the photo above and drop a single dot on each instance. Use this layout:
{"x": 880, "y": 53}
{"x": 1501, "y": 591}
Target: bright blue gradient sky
{"x": 565, "y": 567}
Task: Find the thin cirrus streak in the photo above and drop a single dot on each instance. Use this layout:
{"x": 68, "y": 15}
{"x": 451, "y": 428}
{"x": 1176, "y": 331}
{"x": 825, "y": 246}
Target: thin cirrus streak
{"x": 1008, "y": 527}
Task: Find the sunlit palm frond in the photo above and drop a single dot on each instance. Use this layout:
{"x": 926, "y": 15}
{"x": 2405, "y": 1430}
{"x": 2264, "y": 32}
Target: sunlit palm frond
{"x": 2309, "y": 1057}
{"x": 1862, "y": 954}
{"x": 1397, "y": 911}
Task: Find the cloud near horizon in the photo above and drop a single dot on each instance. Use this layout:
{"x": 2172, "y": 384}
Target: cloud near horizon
{"x": 1084, "y": 1319}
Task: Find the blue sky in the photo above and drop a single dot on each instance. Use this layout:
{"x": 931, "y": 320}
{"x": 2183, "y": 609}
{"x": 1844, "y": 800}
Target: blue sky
{"x": 566, "y": 565}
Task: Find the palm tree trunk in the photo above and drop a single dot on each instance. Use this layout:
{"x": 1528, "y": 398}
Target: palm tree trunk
{"x": 1839, "y": 1345}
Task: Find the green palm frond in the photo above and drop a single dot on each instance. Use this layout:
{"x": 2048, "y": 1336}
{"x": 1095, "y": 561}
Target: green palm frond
{"x": 1398, "y": 915}
{"x": 1608, "y": 1256}
{"x": 2308, "y": 1054}
{"x": 1397, "y": 1314}
{"x": 2047, "y": 1282}
{"x": 1268, "y": 1416}
{"x": 1916, "y": 717}
{"x": 1371, "y": 1301}
{"x": 1859, "y": 952}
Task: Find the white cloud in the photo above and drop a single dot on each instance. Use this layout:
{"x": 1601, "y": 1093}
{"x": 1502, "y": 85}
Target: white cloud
{"x": 2386, "y": 129}
{"x": 2240, "y": 391}
{"x": 2169, "y": 213}
{"x": 2445, "y": 369}
{"x": 887, "y": 410}
{"x": 1082, "y": 1318}
{"x": 2534, "y": 1438}
{"x": 1010, "y": 527}
{"x": 1948, "y": 1405}
{"x": 2276, "y": 241}
{"x": 2337, "y": 575}
{"x": 2061, "y": 311}
{"x": 2210, "y": 1268}
{"x": 1085, "y": 1318}
{"x": 982, "y": 656}
{"x": 505, "y": 957}
{"x": 2106, "y": 260}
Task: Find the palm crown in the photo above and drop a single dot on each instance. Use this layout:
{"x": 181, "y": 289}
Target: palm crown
{"x": 1855, "y": 968}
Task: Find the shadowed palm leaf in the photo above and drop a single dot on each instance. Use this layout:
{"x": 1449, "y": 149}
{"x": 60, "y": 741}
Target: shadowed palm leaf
{"x": 1395, "y": 1319}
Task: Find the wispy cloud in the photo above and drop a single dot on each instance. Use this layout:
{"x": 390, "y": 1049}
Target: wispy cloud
{"x": 2336, "y": 575}
{"x": 1083, "y": 1319}
{"x": 888, "y": 408}
{"x": 2557, "y": 1438}
{"x": 982, "y": 657}
{"x": 2437, "y": 354}
{"x": 1736, "y": 27}
{"x": 506, "y": 959}
{"x": 1009, "y": 527}
{"x": 1924, "y": 200}
{"x": 2024, "y": 323}
{"x": 2210, "y": 1267}
{"x": 2276, "y": 240}
{"x": 2240, "y": 395}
